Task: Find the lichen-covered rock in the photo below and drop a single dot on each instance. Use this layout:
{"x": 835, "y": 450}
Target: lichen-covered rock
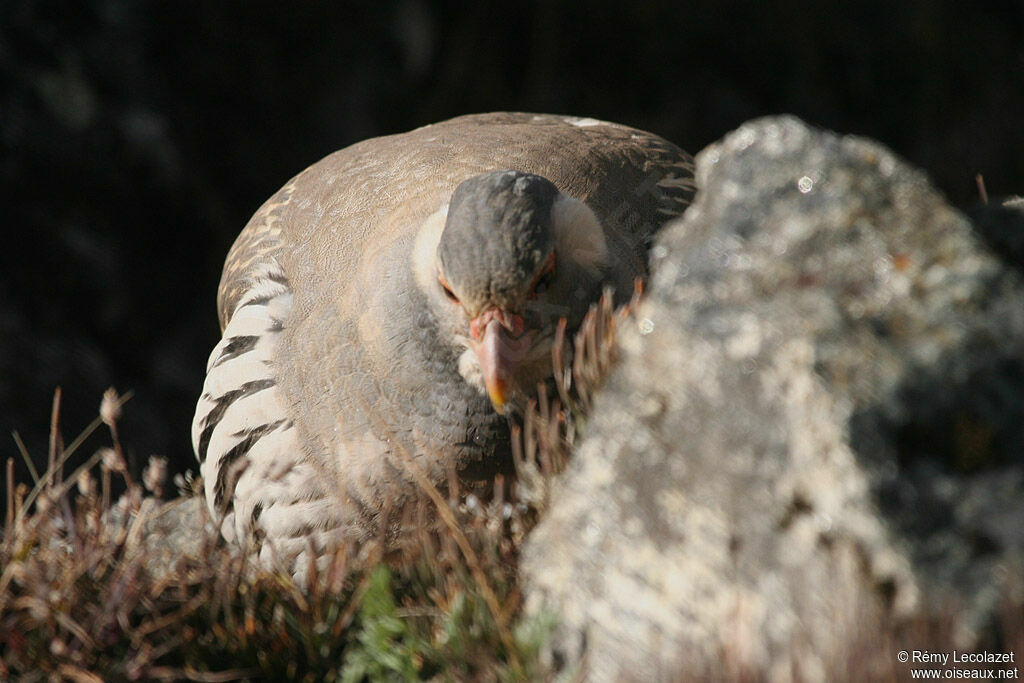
{"x": 815, "y": 428}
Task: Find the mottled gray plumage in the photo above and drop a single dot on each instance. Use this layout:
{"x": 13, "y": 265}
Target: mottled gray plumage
{"x": 344, "y": 355}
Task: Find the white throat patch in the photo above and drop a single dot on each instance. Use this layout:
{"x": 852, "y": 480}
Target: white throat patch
{"x": 424, "y": 252}
{"x": 578, "y": 234}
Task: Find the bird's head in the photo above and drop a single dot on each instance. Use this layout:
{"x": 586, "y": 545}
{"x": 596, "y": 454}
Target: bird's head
{"x": 514, "y": 256}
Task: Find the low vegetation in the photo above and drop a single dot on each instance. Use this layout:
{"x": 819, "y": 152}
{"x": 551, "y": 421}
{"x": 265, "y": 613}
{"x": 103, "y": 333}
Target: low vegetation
{"x": 84, "y": 596}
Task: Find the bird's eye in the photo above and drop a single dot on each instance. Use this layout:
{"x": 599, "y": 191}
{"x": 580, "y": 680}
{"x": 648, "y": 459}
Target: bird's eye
{"x": 544, "y": 282}
{"x": 448, "y": 290}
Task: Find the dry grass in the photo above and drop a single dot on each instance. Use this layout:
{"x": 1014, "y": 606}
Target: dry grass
{"x": 94, "y": 589}
{"x": 82, "y": 599}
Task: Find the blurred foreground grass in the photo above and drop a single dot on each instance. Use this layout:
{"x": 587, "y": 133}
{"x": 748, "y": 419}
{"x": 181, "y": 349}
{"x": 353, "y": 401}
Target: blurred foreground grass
{"x": 139, "y": 589}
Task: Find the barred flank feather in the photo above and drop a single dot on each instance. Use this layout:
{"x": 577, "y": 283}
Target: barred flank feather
{"x": 244, "y": 439}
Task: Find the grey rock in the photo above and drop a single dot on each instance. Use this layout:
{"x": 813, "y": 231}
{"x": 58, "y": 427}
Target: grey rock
{"x": 813, "y": 432}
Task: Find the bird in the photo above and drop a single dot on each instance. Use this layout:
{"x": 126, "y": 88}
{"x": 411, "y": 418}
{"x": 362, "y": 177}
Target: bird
{"x": 394, "y": 305}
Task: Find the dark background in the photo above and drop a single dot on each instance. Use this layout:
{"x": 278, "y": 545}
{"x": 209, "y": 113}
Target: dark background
{"x": 138, "y": 136}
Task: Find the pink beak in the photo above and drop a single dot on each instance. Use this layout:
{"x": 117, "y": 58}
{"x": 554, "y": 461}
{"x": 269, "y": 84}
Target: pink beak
{"x": 500, "y": 347}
